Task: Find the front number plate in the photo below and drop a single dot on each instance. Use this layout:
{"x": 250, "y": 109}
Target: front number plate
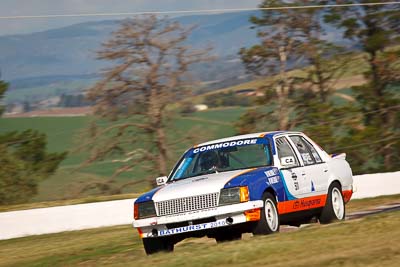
{"x": 191, "y": 228}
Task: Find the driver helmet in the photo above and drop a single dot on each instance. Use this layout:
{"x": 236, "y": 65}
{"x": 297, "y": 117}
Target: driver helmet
{"x": 208, "y": 160}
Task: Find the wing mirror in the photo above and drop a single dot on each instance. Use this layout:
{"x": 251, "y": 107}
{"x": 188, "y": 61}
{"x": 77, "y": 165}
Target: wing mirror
{"x": 161, "y": 180}
{"x": 288, "y": 161}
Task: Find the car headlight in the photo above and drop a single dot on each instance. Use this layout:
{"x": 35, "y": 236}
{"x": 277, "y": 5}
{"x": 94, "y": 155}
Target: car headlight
{"x": 144, "y": 210}
{"x": 233, "y": 195}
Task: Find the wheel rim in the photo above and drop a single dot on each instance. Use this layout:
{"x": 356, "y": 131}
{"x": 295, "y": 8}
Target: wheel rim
{"x": 337, "y": 203}
{"x": 271, "y": 215}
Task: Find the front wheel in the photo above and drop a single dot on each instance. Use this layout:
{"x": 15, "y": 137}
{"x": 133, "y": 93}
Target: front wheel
{"x": 154, "y": 245}
{"x": 269, "y": 222}
{"x": 334, "y": 209}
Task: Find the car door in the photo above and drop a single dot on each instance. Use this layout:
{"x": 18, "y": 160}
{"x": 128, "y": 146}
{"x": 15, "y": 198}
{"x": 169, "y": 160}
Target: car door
{"x": 315, "y": 169}
{"x": 292, "y": 171}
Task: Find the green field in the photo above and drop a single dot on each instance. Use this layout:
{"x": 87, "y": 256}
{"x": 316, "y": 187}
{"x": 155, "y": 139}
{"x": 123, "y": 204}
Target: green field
{"x": 370, "y": 241}
{"x": 64, "y": 135}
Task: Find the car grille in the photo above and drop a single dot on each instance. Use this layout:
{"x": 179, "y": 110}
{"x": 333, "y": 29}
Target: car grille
{"x": 180, "y": 205}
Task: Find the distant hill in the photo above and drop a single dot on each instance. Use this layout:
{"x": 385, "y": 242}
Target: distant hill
{"x": 71, "y": 50}
{"x": 56, "y": 58}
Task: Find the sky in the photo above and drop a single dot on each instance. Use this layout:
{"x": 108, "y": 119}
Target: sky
{"x": 50, "y": 7}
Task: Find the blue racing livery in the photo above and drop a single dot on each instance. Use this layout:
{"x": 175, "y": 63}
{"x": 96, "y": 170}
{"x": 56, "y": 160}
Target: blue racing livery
{"x": 259, "y": 180}
{"x": 148, "y": 196}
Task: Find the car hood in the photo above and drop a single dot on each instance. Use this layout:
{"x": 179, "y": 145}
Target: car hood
{"x": 194, "y": 186}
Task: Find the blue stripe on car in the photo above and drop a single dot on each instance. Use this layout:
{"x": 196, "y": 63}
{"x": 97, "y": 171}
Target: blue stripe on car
{"x": 258, "y": 182}
{"x": 287, "y": 193}
{"x": 148, "y": 196}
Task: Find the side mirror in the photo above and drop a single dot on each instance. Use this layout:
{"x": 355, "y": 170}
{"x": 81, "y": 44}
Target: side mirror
{"x": 161, "y": 180}
{"x": 288, "y": 161}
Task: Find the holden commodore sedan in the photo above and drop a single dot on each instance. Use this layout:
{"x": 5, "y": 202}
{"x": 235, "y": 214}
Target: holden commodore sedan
{"x": 248, "y": 183}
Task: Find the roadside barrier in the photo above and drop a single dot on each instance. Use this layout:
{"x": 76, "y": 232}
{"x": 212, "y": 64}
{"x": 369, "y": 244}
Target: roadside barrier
{"x": 21, "y": 223}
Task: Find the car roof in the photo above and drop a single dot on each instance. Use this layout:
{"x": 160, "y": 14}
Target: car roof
{"x": 247, "y": 136}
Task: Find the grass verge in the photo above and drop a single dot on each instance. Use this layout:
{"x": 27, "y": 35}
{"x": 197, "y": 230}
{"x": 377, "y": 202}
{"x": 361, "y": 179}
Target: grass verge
{"x": 371, "y": 241}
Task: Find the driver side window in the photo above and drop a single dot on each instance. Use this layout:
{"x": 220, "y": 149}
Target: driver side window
{"x": 286, "y": 154}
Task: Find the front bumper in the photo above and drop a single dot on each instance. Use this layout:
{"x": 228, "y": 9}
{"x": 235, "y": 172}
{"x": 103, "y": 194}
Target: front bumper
{"x": 157, "y": 226}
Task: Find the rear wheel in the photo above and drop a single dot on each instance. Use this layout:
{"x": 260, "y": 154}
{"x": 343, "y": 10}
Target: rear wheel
{"x": 154, "y": 245}
{"x": 269, "y": 222}
{"x": 334, "y": 209}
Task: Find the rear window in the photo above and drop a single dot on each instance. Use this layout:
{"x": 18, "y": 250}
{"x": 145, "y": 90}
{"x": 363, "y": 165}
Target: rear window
{"x": 307, "y": 151}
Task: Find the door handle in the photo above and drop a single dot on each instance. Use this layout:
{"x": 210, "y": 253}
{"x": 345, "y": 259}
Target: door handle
{"x": 303, "y": 174}
{"x": 325, "y": 170}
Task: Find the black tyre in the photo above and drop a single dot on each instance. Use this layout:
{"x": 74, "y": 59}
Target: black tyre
{"x": 269, "y": 222}
{"x": 227, "y": 236}
{"x": 154, "y": 245}
{"x": 334, "y": 209}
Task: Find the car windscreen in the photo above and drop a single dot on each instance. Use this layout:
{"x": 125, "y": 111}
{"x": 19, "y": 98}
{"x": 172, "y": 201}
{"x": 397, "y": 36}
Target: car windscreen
{"x": 221, "y": 157}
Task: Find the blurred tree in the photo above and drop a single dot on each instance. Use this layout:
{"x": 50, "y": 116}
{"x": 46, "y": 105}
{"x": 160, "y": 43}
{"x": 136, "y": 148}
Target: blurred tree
{"x": 252, "y": 121}
{"x": 296, "y": 99}
{"x": 152, "y": 63}
{"x": 3, "y": 89}
{"x": 16, "y": 184}
{"x": 26, "y": 106}
{"x": 24, "y": 162}
{"x": 226, "y": 99}
{"x": 377, "y": 30}
{"x": 278, "y": 51}
{"x": 73, "y": 101}
{"x": 30, "y": 147}
{"x": 326, "y": 63}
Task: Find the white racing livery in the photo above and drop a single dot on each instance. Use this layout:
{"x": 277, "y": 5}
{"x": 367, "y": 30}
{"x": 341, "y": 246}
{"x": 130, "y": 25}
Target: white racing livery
{"x": 248, "y": 183}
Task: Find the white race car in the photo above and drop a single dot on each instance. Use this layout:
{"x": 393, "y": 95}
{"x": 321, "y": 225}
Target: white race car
{"x": 248, "y": 183}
